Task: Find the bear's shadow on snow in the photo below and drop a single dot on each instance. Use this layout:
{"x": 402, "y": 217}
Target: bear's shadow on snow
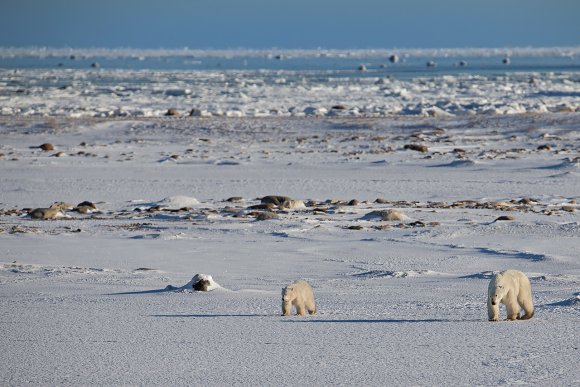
{"x": 199, "y": 283}
{"x": 141, "y": 292}
{"x": 384, "y": 321}
{"x": 152, "y": 291}
{"x": 210, "y": 315}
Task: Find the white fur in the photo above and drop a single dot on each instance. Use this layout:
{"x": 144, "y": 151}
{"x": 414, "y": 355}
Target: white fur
{"x": 300, "y": 295}
{"x": 511, "y": 288}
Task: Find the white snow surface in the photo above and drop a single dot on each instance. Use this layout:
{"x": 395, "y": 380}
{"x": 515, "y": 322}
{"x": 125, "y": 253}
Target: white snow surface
{"x": 237, "y": 93}
{"x": 84, "y": 300}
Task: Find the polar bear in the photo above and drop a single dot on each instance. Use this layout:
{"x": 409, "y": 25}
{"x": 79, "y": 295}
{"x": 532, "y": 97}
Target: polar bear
{"x": 511, "y": 288}
{"x": 300, "y": 295}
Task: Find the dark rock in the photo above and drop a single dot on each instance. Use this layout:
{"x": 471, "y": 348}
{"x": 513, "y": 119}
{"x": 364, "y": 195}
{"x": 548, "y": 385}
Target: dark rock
{"x": 417, "y": 147}
{"x": 87, "y": 204}
{"x": 504, "y": 218}
{"x": 201, "y": 285}
{"x": 267, "y": 216}
{"x": 47, "y": 146}
{"x": 275, "y": 199}
{"x": 45, "y": 213}
{"x": 172, "y": 112}
{"x": 527, "y": 201}
{"x": 265, "y": 206}
{"x": 84, "y": 209}
{"x": 235, "y": 199}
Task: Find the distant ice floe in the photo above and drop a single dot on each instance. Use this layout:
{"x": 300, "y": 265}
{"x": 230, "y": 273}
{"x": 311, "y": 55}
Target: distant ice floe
{"x": 264, "y": 93}
{"x": 394, "y": 55}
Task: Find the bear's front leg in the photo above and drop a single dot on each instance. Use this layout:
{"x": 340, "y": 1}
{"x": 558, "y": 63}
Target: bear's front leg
{"x": 286, "y": 308}
{"x": 492, "y": 311}
{"x": 513, "y": 309}
{"x": 528, "y": 307}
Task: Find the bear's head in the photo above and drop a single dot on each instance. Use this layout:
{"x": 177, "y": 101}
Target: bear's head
{"x": 288, "y": 293}
{"x": 497, "y": 289}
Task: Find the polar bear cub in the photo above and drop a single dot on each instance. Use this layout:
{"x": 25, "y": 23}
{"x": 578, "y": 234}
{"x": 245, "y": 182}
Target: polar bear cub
{"x": 511, "y": 288}
{"x": 300, "y": 295}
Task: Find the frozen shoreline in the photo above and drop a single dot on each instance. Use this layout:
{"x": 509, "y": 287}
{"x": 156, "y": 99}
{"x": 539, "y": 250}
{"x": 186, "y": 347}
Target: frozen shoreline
{"x": 128, "y": 93}
{"x": 84, "y": 299}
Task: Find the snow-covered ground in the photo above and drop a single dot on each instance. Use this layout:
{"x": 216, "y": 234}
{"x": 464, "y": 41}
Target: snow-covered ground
{"x": 115, "y": 93}
{"x": 85, "y": 299}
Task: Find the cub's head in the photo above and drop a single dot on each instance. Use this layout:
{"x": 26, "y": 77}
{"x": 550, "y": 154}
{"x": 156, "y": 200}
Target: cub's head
{"x": 497, "y": 289}
{"x": 287, "y": 293}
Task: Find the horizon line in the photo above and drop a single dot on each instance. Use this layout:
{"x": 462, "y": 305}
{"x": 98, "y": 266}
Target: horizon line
{"x": 320, "y": 48}
{"x": 279, "y": 53}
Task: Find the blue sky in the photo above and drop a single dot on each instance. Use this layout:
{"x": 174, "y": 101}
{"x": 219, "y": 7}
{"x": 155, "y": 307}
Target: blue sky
{"x": 290, "y": 23}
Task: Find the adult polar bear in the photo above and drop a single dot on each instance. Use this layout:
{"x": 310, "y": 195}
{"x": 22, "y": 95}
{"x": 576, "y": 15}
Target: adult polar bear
{"x": 300, "y": 295}
{"x": 511, "y": 288}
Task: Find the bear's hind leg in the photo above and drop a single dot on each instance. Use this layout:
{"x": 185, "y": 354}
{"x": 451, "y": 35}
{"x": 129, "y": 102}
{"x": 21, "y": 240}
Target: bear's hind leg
{"x": 528, "y": 308}
{"x": 311, "y": 307}
{"x": 512, "y": 307}
{"x": 300, "y": 309}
